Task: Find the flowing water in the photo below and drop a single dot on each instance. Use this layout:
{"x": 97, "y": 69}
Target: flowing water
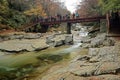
{"x": 17, "y": 65}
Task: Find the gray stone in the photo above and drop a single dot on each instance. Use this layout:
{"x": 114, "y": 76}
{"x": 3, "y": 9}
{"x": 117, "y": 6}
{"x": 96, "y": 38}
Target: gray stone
{"x": 68, "y": 39}
{"x": 32, "y": 36}
{"x": 104, "y": 77}
{"x": 87, "y": 70}
{"x": 107, "y": 68}
{"x": 86, "y": 45}
{"x": 109, "y": 42}
{"x": 86, "y": 41}
{"x": 23, "y": 45}
{"x": 13, "y": 36}
{"x": 101, "y": 40}
{"x": 84, "y": 58}
{"x": 93, "y": 51}
{"x": 1, "y": 39}
{"x": 49, "y": 39}
{"x": 57, "y": 40}
{"x": 18, "y": 36}
{"x": 58, "y": 43}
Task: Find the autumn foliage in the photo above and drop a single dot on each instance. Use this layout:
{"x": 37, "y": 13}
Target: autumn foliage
{"x": 89, "y": 8}
{"x": 37, "y": 11}
{"x": 16, "y": 13}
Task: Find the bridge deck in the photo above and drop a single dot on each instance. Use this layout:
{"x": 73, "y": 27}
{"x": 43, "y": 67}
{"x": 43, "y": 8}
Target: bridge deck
{"x": 78, "y": 20}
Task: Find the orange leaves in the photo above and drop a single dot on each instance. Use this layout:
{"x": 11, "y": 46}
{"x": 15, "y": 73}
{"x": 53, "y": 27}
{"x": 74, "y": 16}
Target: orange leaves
{"x": 37, "y": 11}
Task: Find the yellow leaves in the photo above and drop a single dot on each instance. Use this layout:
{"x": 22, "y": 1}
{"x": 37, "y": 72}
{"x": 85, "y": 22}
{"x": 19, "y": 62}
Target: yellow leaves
{"x": 38, "y": 11}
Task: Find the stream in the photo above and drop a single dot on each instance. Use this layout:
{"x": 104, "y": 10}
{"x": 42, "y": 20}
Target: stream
{"x": 17, "y": 65}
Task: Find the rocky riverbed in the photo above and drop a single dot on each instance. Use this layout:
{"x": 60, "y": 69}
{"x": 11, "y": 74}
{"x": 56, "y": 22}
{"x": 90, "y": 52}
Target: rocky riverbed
{"x": 101, "y": 63}
{"x": 26, "y": 42}
{"x": 35, "y": 51}
{"x": 101, "y": 59}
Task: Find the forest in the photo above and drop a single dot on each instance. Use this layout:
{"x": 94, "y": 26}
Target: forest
{"x": 15, "y": 13}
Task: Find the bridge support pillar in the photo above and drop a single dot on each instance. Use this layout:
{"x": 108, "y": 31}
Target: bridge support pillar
{"x": 68, "y": 28}
{"x": 44, "y": 28}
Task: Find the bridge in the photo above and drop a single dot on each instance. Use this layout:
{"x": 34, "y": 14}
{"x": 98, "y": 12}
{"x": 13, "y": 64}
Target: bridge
{"x": 45, "y": 24}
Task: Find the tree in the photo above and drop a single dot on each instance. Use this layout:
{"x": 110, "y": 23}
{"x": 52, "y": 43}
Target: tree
{"x": 37, "y": 11}
{"x": 110, "y": 5}
{"x": 89, "y": 8}
{"x": 3, "y": 7}
{"x": 19, "y": 5}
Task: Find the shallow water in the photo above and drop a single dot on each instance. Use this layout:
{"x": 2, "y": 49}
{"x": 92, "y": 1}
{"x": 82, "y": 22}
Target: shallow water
{"x": 15, "y": 66}
{"x": 17, "y": 60}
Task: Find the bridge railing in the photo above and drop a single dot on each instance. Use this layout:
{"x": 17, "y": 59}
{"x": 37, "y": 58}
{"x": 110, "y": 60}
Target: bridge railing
{"x": 68, "y": 20}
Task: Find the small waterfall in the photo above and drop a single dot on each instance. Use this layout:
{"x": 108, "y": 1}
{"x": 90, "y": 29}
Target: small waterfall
{"x": 80, "y": 33}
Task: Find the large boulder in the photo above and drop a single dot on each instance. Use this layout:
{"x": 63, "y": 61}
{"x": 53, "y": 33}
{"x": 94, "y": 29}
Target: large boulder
{"x": 68, "y": 39}
{"x": 102, "y": 40}
{"x": 59, "y": 39}
{"x": 50, "y": 40}
{"x": 58, "y": 43}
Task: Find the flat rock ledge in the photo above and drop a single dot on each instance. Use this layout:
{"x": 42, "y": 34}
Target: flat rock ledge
{"x": 24, "y": 45}
{"x": 19, "y": 35}
{"x": 27, "y": 42}
{"x": 101, "y": 63}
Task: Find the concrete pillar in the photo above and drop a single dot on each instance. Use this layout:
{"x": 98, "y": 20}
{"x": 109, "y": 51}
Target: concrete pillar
{"x": 44, "y": 28}
{"x": 68, "y": 28}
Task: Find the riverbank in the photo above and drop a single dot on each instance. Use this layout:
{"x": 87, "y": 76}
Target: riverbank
{"x": 28, "y": 51}
{"x": 102, "y": 62}
{"x": 98, "y": 58}
{"x": 17, "y": 42}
